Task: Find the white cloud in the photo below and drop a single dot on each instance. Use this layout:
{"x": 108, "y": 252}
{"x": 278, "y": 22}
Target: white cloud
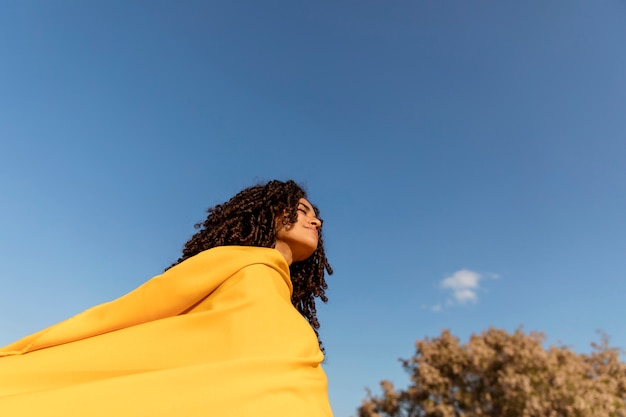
{"x": 463, "y": 284}
{"x": 463, "y": 287}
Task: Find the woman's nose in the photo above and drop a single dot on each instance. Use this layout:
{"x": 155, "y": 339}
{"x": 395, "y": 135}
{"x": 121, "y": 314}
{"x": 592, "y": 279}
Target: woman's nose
{"x": 316, "y": 222}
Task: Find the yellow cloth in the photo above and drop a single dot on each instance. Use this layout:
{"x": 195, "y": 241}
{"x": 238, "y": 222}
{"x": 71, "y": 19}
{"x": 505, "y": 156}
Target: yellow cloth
{"x": 216, "y": 335}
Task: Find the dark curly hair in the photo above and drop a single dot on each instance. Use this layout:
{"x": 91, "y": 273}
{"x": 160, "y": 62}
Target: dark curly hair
{"x": 249, "y": 219}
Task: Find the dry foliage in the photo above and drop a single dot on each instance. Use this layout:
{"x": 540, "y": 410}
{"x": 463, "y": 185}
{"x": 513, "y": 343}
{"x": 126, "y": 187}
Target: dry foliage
{"x": 498, "y": 374}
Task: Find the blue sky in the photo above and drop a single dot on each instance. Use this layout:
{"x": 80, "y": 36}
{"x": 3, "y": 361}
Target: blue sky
{"x": 468, "y": 157}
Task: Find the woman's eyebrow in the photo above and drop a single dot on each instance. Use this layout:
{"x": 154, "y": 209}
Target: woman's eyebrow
{"x": 306, "y": 207}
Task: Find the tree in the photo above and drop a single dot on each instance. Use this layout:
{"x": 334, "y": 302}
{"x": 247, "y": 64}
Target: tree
{"x": 498, "y": 374}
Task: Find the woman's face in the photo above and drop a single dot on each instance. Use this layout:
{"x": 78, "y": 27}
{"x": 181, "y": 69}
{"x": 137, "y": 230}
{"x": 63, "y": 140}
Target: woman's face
{"x": 298, "y": 241}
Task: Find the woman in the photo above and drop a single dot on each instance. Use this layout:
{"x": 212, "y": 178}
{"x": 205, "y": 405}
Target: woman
{"x": 229, "y": 330}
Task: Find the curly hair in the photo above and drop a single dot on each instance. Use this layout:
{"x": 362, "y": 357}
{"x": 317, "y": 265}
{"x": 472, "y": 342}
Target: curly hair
{"x": 249, "y": 219}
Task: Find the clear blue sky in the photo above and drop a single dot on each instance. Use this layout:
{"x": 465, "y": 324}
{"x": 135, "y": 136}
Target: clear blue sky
{"x": 468, "y": 157}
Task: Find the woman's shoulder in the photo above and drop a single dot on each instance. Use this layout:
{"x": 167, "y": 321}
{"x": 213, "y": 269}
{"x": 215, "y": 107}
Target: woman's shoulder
{"x": 244, "y": 261}
{"x": 243, "y": 256}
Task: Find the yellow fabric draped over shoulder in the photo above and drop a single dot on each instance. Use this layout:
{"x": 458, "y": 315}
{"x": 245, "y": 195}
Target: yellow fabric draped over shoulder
{"x": 216, "y": 335}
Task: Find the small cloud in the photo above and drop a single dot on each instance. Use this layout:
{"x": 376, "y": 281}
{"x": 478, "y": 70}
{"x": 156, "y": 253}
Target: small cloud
{"x": 463, "y": 287}
{"x": 463, "y": 284}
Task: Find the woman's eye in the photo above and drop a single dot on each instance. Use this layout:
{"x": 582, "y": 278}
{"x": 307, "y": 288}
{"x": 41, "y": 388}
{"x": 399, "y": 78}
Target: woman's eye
{"x": 302, "y": 210}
